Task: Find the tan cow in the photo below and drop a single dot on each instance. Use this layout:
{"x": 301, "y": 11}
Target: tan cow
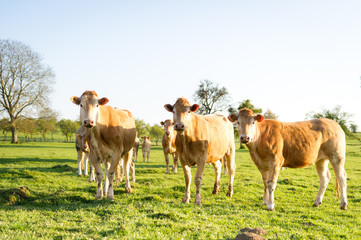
{"x": 135, "y": 149}
{"x": 168, "y": 142}
{"x": 201, "y": 140}
{"x": 112, "y": 131}
{"x": 146, "y": 146}
{"x": 82, "y": 148}
{"x": 273, "y": 144}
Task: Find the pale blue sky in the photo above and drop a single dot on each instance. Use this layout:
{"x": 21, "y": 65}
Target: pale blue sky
{"x": 292, "y": 57}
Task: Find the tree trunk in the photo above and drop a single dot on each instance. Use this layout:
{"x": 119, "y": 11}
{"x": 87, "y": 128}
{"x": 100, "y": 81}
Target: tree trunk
{"x": 14, "y": 135}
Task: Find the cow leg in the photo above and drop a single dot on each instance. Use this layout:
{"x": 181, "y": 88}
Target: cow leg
{"x": 143, "y": 156}
{"x": 106, "y": 180}
{"x": 136, "y": 155}
{"x": 148, "y": 153}
{"x": 201, "y": 165}
{"x": 166, "y": 162}
{"x": 175, "y": 163}
{"x": 92, "y": 172}
{"x": 217, "y": 170}
{"x": 324, "y": 174}
{"x": 86, "y": 160}
{"x": 265, "y": 192}
{"x": 99, "y": 172}
{"x": 231, "y": 167}
{"x": 341, "y": 177}
{"x": 127, "y": 159}
{"x": 80, "y": 160}
{"x": 271, "y": 184}
{"x": 225, "y": 165}
{"x": 132, "y": 170}
{"x": 187, "y": 178}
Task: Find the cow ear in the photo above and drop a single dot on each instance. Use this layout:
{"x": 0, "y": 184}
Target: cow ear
{"x": 75, "y": 100}
{"x": 194, "y": 108}
{"x": 259, "y": 118}
{"x": 168, "y": 107}
{"x": 103, "y": 101}
{"x": 162, "y": 123}
{"x": 78, "y": 136}
{"x": 233, "y": 117}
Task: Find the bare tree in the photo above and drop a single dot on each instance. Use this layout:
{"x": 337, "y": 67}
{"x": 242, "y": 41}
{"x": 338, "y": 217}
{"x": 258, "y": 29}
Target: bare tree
{"x": 211, "y": 97}
{"x": 25, "y": 83}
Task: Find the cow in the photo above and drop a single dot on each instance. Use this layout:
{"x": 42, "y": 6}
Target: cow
{"x": 201, "y": 140}
{"x": 146, "y": 145}
{"x": 273, "y": 144}
{"x": 113, "y": 133}
{"x": 82, "y": 148}
{"x": 168, "y": 143}
{"x": 135, "y": 149}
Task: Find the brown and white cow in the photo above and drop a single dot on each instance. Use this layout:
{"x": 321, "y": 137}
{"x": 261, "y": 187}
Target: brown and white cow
{"x": 273, "y": 144}
{"x": 112, "y": 131}
{"x": 168, "y": 143}
{"x": 82, "y": 148}
{"x": 135, "y": 149}
{"x": 201, "y": 140}
{"x": 146, "y": 146}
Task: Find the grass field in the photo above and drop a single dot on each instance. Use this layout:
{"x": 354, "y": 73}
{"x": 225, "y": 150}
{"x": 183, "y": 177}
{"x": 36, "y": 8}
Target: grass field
{"x": 41, "y": 197}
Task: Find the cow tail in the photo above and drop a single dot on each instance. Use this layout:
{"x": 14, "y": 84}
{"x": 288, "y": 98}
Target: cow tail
{"x": 338, "y": 189}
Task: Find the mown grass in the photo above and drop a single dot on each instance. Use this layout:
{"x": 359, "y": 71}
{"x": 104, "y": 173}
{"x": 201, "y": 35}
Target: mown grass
{"x": 41, "y": 196}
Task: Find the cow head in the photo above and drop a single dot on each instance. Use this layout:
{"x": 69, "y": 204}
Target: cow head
{"x": 167, "y": 126}
{"x": 89, "y": 103}
{"x": 247, "y": 124}
{"x": 182, "y": 112}
{"x": 84, "y": 139}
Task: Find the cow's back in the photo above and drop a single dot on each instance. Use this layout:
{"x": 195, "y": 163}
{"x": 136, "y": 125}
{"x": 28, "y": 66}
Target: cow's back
{"x": 116, "y": 129}
{"x": 300, "y": 144}
{"x": 211, "y": 133}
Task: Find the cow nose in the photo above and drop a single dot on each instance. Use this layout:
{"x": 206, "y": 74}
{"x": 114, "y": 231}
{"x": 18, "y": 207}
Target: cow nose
{"x": 88, "y": 123}
{"x": 180, "y": 126}
{"x": 167, "y": 133}
{"x": 244, "y": 139}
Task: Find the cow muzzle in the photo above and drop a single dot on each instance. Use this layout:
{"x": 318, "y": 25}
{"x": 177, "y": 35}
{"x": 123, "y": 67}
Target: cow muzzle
{"x": 180, "y": 127}
{"x": 244, "y": 139}
{"x": 88, "y": 123}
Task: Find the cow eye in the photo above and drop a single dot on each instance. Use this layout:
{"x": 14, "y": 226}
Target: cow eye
{"x": 238, "y": 122}
{"x": 81, "y": 105}
{"x": 189, "y": 111}
{"x": 253, "y": 122}
{"x": 97, "y": 105}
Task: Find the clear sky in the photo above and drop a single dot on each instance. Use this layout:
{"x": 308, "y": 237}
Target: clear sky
{"x": 291, "y": 57}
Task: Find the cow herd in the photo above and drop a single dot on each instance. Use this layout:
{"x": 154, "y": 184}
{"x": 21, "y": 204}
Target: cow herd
{"x": 109, "y": 137}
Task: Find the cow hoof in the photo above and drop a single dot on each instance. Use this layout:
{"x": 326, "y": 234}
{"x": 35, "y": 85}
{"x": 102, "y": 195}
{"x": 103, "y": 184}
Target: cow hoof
{"x": 105, "y": 193}
{"x": 111, "y": 198}
{"x": 185, "y": 200}
{"x": 128, "y": 190}
{"x": 98, "y": 197}
{"x": 316, "y": 204}
{"x": 215, "y": 191}
{"x": 271, "y": 207}
{"x": 344, "y": 206}
{"x": 229, "y": 194}
{"x": 167, "y": 172}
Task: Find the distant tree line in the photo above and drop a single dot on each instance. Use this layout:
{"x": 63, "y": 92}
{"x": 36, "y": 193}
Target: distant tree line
{"x": 40, "y": 126}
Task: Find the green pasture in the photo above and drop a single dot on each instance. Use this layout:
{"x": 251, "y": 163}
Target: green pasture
{"x": 41, "y": 197}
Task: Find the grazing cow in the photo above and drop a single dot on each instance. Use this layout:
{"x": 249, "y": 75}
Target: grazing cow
{"x": 146, "y": 145}
{"x": 201, "y": 140}
{"x": 273, "y": 144}
{"x": 82, "y": 148}
{"x": 135, "y": 149}
{"x": 168, "y": 142}
{"x": 112, "y": 132}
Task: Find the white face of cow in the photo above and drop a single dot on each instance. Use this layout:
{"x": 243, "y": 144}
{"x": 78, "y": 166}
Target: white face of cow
{"x": 182, "y": 112}
{"x": 246, "y": 124}
{"x": 89, "y": 107}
